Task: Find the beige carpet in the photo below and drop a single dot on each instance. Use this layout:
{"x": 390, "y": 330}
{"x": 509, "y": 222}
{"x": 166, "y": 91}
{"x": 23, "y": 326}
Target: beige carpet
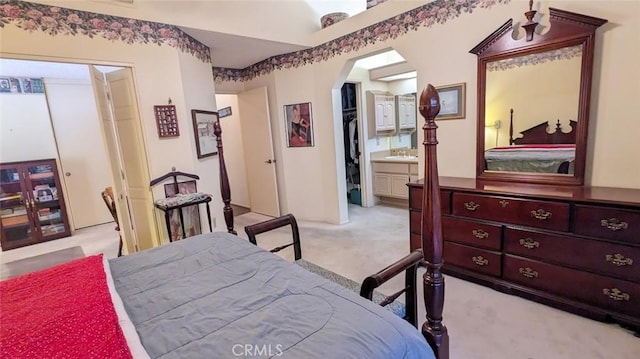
{"x": 482, "y": 323}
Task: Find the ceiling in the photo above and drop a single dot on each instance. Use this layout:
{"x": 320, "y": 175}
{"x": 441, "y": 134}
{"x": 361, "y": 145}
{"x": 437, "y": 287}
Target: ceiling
{"x": 241, "y": 33}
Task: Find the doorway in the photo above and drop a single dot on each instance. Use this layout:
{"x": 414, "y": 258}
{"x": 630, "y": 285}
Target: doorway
{"x": 387, "y": 73}
{"x": 68, "y": 130}
{"x": 249, "y": 151}
{"x": 75, "y": 131}
{"x": 351, "y": 142}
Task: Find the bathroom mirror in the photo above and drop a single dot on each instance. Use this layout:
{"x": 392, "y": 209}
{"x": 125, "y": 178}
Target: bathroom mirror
{"x": 534, "y": 99}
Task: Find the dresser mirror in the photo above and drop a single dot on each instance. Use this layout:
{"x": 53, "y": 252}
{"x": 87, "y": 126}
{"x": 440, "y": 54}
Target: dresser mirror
{"x": 534, "y": 98}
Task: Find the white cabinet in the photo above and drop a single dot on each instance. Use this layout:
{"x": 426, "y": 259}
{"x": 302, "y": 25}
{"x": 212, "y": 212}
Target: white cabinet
{"x": 399, "y": 186}
{"x": 382, "y": 111}
{"x": 406, "y": 112}
{"x": 390, "y": 179}
{"x": 382, "y": 184}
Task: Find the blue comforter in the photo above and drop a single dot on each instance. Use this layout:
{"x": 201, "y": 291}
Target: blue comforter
{"x": 218, "y": 296}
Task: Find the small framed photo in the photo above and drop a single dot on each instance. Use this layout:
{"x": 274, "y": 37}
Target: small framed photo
{"x": 224, "y": 112}
{"x": 452, "y": 101}
{"x": 299, "y": 125}
{"x": 203, "y": 130}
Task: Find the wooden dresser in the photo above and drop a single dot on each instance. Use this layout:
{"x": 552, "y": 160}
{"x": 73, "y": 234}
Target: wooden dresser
{"x": 574, "y": 248}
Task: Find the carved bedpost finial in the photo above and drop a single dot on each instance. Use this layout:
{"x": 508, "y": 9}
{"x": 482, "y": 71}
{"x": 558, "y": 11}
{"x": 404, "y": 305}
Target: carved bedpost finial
{"x": 530, "y": 25}
{"x": 433, "y": 330}
{"x": 225, "y": 189}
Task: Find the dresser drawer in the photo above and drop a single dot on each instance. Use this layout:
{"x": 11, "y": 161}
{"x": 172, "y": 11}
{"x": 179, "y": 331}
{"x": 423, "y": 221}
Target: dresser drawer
{"x": 605, "y": 258}
{"x": 540, "y": 214}
{"x": 474, "y": 259}
{"x": 609, "y": 223}
{"x": 415, "y": 199}
{"x": 483, "y": 235}
{"x": 614, "y": 294}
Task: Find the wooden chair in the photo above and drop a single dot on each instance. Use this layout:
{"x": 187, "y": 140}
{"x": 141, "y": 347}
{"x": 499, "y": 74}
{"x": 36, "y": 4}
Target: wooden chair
{"x": 409, "y": 264}
{"x": 109, "y": 200}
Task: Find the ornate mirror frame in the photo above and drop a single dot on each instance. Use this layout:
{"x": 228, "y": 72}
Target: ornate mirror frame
{"x": 566, "y": 29}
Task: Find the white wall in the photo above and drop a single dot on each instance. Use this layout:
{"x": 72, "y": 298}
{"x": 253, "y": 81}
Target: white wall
{"x": 440, "y": 55}
{"x": 25, "y": 128}
{"x": 234, "y": 151}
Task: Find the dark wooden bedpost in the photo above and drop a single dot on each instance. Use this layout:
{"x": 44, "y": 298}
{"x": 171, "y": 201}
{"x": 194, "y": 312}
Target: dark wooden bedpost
{"x": 225, "y": 189}
{"x": 511, "y": 127}
{"x": 433, "y": 330}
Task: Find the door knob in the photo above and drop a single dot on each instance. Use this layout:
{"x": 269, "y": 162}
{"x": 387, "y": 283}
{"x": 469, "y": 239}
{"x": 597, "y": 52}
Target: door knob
{"x": 270, "y": 161}
{"x": 68, "y": 174}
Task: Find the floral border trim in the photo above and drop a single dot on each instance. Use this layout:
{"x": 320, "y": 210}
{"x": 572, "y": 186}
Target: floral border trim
{"x": 565, "y": 53}
{"x": 62, "y": 21}
{"x": 437, "y": 12}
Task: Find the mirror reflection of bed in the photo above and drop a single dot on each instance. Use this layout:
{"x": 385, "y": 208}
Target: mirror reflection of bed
{"x": 545, "y": 148}
{"x": 541, "y": 112}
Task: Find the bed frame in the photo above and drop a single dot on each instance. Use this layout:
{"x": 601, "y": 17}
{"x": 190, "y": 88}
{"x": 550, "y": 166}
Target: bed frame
{"x": 538, "y": 134}
{"x": 433, "y": 329}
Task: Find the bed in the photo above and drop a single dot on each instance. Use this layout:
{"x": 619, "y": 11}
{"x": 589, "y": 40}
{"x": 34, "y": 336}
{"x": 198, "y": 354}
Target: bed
{"x": 537, "y": 150}
{"x": 217, "y": 295}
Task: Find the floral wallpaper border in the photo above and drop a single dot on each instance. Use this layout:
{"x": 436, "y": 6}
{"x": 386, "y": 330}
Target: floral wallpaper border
{"x": 62, "y": 21}
{"x": 437, "y": 12}
{"x": 564, "y": 53}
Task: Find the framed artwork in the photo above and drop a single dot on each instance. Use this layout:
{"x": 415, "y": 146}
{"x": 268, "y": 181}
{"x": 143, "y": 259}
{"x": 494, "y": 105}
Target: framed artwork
{"x": 452, "y": 101}
{"x": 167, "y": 121}
{"x": 224, "y": 112}
{"x": 203, "y": 130}
{"x": 299, "y": 124}
{"x": 190, "y": 214}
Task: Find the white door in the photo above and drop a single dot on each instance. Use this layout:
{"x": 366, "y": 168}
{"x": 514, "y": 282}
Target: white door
{"x": 133, "y": 157}
{"x": 111, "y": 145}
{"x": 83, "y": 158}
{"x": 253, "y": 110}
{"x": 121, "y": 126}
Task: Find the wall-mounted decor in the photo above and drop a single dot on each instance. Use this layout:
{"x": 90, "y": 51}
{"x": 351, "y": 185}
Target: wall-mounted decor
{"x": 190, "y": 214}
{"x": 452, "y": 101}
{"x": 299, "y": 125}
{"x": 224, "y": 112}
{"x": 203, "y": 131}
{"x": 167, "y": 120}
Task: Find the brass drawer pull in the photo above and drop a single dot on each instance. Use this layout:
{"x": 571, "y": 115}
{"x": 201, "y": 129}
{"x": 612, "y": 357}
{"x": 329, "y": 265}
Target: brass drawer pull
{"x": 618, "y": 259}
{"x": 471, "y": 206}
{"x": 480, "y": 234}
{"x": 528, "y": 272}
{"x": 614, "y": 224}
{"x": 504, "y": 203}
{"x": 541, "y": 214}
{"x": 616, "y": 294}
{"x": 529, "y": 243}
{"x": 480, "y": 260}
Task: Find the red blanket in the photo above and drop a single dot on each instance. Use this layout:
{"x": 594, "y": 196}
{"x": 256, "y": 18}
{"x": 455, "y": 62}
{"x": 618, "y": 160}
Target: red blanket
{"x": 60, "y": 312}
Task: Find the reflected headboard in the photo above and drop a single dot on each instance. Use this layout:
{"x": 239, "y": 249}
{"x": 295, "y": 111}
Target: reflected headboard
{"x": 538, "y": 134}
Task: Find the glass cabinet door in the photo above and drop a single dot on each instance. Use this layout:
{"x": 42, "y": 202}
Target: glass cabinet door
{"x": 14, "y": 206}
{"x": 48, "y": 211}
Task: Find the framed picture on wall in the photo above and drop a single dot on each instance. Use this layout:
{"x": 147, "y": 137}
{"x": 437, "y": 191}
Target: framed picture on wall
{"x": 299, "y": 124}
{"x": 203, "y": 130}
{"x": 452, "y": 101}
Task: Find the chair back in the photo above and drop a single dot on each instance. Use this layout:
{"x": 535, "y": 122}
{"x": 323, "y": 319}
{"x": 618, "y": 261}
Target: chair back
{"x": 109, "y": 200}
